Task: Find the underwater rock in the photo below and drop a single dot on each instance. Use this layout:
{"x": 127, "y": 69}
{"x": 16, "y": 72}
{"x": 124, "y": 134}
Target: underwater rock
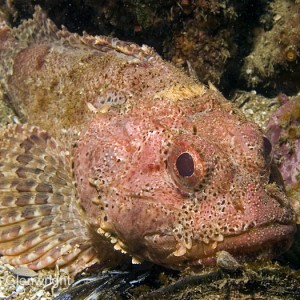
{"x": 207, "y": 53}
{"x": 255, "y": 106}
{"x": 283, "y": 130}
{"x": 273, "y": 63}
{"x": 280, "y": 118}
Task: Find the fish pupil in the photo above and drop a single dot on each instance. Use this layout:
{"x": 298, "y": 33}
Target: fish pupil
{"x": 185, "y": 165}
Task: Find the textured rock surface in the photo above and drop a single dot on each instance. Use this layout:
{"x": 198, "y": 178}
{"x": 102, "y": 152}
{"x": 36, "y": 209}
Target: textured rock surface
{"x": 283, "y": 129}
{"x": 273, "y": 63}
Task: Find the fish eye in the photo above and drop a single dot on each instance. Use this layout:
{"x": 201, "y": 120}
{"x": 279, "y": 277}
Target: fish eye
{"x": 185, "y": 165}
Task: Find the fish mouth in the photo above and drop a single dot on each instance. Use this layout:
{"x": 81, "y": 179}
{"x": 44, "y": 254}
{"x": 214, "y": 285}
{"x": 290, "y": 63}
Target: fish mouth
{"x": 264, "y": 242}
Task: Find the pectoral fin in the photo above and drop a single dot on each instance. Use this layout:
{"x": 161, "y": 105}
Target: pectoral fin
{"x": 41, "y": 222}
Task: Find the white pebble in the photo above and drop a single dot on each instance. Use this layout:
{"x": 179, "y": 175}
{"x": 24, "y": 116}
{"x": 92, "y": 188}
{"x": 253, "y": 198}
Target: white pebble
{"x": 20, "y": 289}
{"x": 39, "y": 294}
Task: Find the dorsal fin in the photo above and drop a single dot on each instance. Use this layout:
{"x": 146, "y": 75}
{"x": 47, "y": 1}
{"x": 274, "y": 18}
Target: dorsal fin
{"x": 37, "y": 29}
{"x": 40, "y": 28}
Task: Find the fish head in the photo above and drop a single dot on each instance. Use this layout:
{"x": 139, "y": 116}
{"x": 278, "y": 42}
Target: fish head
{"x": 175, "y": 185}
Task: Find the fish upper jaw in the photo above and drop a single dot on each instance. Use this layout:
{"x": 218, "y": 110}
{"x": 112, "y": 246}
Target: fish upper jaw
{"x": 263, "y": 242}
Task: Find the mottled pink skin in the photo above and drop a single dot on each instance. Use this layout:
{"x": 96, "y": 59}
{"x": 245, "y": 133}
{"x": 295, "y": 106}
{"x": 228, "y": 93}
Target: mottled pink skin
{"x": 227, "y": 204}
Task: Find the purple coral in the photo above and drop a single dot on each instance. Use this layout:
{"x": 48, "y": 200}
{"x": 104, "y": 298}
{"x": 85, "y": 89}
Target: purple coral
{"x": 283, "y": 130}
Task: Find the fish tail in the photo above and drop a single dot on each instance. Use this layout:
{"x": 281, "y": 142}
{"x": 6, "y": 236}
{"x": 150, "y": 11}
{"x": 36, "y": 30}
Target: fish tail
{"x": 41, "y": 222}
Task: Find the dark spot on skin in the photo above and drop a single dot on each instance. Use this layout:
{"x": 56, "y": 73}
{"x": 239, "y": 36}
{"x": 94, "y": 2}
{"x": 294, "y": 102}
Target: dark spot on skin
{"x": 23, "y": 200}
{"x": 36, "y": 139}
{"x": 166, "y": 163}
{"x": 46, "y": 221}
{"x": 27, "y": 144}
{"x": 41, "y": 198}
{"x": 45, "y": 210}
{"x": 153, "y": 168}
{"x": 30, "y": 237}
{"x": 25, "y": 186}
{"x": 238, "y": 204}
{"x": 28, "y": 213}
{"x": 185, "y": 165}
{"x": 45, "y": 136}
{"x": 24, "y": 159}
{"x": 22, "y": 172}
{"x": 44, "y": 187}
{"x": 57, "y": 198}
{"x": 194, "y": 130}
{"x": 7, "y": 200}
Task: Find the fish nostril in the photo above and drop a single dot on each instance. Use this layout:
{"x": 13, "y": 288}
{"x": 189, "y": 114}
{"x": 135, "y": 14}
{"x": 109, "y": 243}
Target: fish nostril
{"x": 267, "y": 150}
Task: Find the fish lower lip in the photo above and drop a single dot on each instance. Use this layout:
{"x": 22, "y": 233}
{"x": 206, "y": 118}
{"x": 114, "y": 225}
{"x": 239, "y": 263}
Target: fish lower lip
{"x": 262, "y": 242}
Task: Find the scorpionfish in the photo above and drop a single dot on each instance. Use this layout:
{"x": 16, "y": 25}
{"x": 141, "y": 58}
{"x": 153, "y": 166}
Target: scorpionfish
{"x": 120, "y": 155}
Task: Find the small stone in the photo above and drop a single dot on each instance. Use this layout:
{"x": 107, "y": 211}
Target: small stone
{"x": 24, "y": 272}
{"x": 20, "y": 289}
{"x": 276, "y": 18}
{"x": 39, "y": 294}
{"x": 226, "y": 261}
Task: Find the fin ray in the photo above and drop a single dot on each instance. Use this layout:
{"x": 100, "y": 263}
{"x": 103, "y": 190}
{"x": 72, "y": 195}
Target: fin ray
{"x": 60, "y": 255}
{"x": 40, "y": 28}
{"x": 50, "y": 246}
{"x": 17, "y": 214}
{"x": 27, "y": 242}
{"x": 86, "y": 258}
{"x": 41, "y": 222}
{"x": 16, "y": 230}
{"x": 12, "y": 199}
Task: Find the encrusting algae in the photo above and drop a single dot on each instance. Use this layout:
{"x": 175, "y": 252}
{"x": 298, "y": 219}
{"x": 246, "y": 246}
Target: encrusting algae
{"x": 121, "y": 155}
